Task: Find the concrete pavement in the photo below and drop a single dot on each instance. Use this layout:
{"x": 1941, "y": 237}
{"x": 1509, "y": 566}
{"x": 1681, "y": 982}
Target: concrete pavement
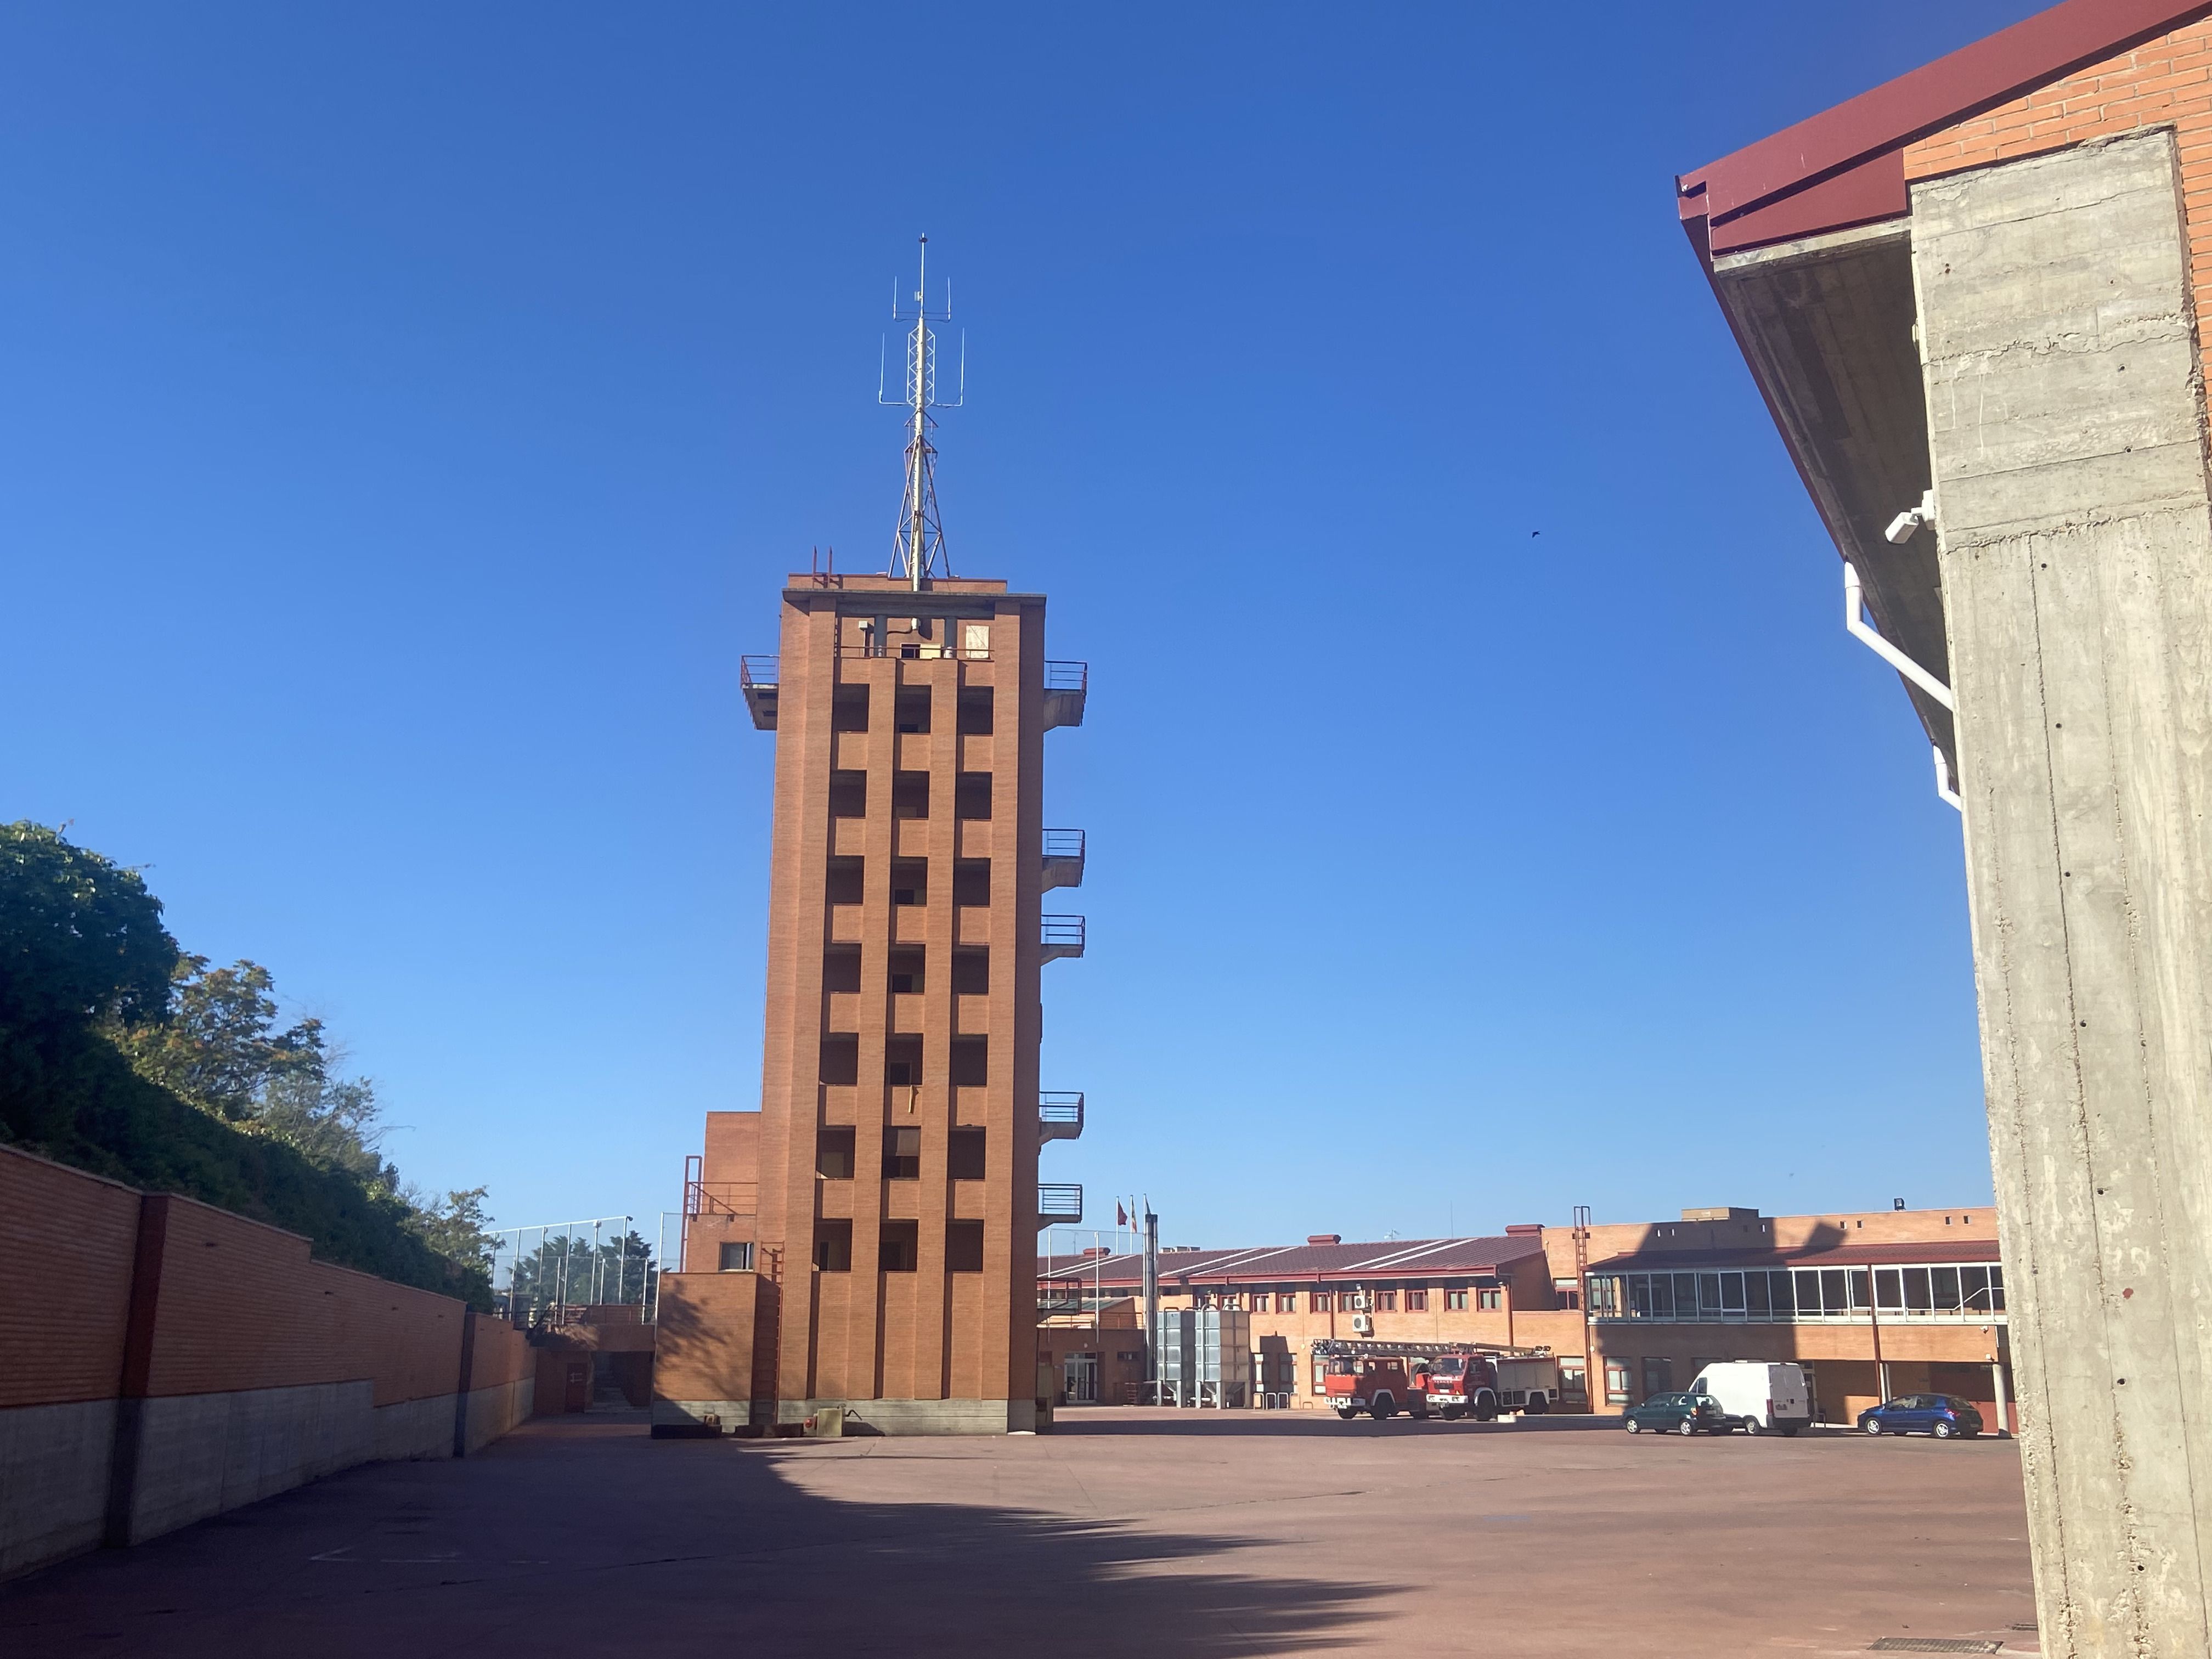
{"x": 1120, "y": 1532}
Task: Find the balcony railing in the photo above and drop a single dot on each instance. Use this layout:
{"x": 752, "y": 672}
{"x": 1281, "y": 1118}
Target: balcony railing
{"x": 1060, "y": 1114}
{"x": 1066, "y": 686}
{"x": 1060, "y": 1203}
{"x": 760, "y": 677}
{"x": 1063, "y": 859}
{"x": 1061, "y": 936}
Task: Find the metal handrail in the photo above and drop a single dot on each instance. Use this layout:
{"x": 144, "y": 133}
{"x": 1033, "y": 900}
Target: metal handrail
{"x": 914, "y": 650}
{"x": 1064, "y": 844}
{"x": 1061, "y": 930}
{"x": 764, "y": 672}
{"x": 1060, "y": 1105}
{"x": 715, "y": 1198}
{"x": 1067, "y": 675}
{"x": 1060, "y": 1201}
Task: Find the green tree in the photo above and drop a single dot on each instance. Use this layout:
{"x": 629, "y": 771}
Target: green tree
{"x": 455, "y": 1226}
{"x": 81, "y": 939}
{"x": 220, "y": 1047}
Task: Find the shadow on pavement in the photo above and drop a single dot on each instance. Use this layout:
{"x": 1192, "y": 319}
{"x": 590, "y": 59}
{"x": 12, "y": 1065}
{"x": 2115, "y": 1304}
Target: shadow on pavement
{"x": 588, "y": 1538}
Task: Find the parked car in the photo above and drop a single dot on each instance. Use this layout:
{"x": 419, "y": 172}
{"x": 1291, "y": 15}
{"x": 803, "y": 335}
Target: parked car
{"x": 1677, "y": 1413}
{"x": 1759, "y": 1397}
{"x": 1943, "y": 1415}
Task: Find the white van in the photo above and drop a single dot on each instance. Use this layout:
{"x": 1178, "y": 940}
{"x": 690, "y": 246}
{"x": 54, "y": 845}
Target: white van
{"x": 1757, "y": 1397}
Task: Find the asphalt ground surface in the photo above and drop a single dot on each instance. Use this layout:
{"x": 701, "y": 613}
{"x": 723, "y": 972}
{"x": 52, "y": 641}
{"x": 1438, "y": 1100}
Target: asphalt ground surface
{"x": 1120, "y": 1532}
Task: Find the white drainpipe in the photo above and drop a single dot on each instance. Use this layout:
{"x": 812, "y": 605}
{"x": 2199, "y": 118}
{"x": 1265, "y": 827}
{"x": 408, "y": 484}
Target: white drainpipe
{"x": 1862, "y": 629}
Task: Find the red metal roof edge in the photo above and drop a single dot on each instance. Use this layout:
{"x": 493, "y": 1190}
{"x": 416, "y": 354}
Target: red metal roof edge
{"x": 1395, "y": 1258}
{"x": 1954, "y": 88}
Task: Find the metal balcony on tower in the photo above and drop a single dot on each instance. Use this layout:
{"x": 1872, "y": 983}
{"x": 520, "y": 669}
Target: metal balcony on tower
{"x": 1061, "y": 936}
{"x": 1065, "y": 684}
{"x": 1060, "y": 1203}
{"x": 1060, "y": 1114}
{"x": 759, "y": 676}
{"x": 1063, "y": 859}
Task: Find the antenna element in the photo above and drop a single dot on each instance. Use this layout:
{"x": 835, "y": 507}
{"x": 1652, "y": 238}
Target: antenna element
{"x": 918, "y": 552}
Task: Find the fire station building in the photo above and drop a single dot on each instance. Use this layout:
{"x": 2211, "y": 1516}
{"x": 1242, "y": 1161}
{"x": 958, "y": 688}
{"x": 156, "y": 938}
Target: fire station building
{"x": 1872, "y": 1305}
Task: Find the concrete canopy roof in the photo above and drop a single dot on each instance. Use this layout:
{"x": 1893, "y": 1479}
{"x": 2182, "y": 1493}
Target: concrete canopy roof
{"x": 1394, "y": 1258}
{"x": 1803, "y": 236}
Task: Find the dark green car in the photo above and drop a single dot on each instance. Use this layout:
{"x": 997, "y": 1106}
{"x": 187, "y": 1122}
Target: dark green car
{"x": 1677, "y": 1413}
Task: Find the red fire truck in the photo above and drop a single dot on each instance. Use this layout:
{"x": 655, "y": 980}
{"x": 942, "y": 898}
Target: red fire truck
{"x": 1453, "y": 1380}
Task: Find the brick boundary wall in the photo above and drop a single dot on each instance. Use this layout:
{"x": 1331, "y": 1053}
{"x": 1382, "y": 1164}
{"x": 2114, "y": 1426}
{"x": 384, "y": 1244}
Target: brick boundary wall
{"x": 170, "y": 1361}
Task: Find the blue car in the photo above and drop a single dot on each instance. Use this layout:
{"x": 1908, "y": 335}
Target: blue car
{"x": 1943, "y": 1415}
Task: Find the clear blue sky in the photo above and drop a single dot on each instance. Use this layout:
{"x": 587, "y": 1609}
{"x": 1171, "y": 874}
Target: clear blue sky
{"x": 409, "y": 412}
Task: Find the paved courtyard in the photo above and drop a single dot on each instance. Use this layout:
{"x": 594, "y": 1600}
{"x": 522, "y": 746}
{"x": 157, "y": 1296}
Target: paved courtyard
{"x": 1137, "y": 1533}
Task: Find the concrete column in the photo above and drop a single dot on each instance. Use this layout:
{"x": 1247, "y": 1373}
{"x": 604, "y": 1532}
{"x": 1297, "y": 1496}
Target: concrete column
{"x": 2059, "y": 352}
{"x": 1998, "y": 1393}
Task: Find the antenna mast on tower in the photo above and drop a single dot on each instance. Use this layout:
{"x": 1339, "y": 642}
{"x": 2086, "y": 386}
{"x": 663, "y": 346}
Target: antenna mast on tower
{"x": 918, "y": 553}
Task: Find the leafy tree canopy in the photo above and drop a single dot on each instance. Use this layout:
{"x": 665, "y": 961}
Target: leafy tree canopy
{"x": 81, "y": 939}
{"x": 221, "y": 1048}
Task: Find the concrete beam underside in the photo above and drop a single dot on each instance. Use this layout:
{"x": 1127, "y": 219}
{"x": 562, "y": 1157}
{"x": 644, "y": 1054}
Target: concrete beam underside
{"x": 2065, "y": 424}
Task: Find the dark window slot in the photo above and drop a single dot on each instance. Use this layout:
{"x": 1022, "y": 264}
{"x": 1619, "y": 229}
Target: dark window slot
{"x": 963, "y": 1155}
{"x": 971, "y": 881}
{"x": 833, "y": 1154}
{"x": 841, "y": 1059}
{"x": 963, "y": 1247}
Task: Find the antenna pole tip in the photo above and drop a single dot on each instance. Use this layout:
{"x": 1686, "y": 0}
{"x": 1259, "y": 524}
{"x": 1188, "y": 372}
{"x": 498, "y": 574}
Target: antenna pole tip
{"x": 924, "y": 239}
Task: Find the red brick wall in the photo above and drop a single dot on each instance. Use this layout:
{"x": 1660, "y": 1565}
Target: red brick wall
{"x": 500, "y": 1354}
{"x": 241, "y": 1305}
{"x": 62, "y": 1325}
{"x": 2168, "y": 81}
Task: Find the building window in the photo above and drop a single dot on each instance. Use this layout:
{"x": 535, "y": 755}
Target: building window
{"x": 901, "y": 1154}
{"x": 1574, "y": 1383}
{"x": 833, "y": 1247}
{"x": 736, "y": 1258}
{"x": 964, "y": 1154}
{"x": 1616, "y": 1382}
{"x": 1321, "y": 1301}
{"x": 1454, "y": 1301}
{"x": 1489, "y": 1299}
{"x": 1417, "y": 1302}
{"x": 1386, "y": 1301}
{"x": 1319, "y": 1387}
{"x": 898, "y": 1247}
{"x": 1285, "y": 1302}
{"x": 976, "y": 640}
{"x": 963, "y": 1247}
{"x": 1564, "y": 1292}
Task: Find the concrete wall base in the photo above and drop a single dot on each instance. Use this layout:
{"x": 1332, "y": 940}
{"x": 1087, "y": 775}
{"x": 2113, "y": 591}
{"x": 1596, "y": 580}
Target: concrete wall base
{"x": 493, "y": 1412}
{"x": 415, "y": 1428}
{"x": 54, "y": 1463}
{"x": 201, "y": 1453}
{"x": 862, "y": 1416}
{"x": 913, "y": 1417}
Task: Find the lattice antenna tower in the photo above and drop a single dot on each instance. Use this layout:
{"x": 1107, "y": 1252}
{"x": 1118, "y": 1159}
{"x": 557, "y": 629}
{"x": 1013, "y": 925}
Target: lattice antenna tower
{"x": 918, "y": 550}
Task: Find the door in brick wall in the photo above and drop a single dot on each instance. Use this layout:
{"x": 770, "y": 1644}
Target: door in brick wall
{"x": 578, "y": 1392}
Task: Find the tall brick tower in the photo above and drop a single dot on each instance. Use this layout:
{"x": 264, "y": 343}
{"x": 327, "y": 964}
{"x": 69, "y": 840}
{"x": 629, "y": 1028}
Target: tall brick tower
{"x": 868, "y": 1239}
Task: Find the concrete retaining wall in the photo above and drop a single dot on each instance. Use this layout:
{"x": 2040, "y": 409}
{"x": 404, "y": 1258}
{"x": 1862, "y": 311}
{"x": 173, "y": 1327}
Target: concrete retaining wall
{"x": 180, "y": 1361}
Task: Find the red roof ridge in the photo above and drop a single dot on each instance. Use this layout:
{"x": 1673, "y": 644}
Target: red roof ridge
{"x": 1861, "y": 135}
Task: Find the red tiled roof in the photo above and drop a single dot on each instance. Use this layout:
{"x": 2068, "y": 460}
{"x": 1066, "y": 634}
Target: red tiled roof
{"x": 1392, "y": 1258}
{"x": 1936, "y": 1253}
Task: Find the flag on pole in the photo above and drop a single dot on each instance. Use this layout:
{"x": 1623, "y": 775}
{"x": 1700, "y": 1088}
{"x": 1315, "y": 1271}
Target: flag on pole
{"x": 1121, "y": 1215}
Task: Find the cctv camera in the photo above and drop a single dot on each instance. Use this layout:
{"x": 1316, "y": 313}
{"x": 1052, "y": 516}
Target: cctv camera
{"x": 1903, "y": 528}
